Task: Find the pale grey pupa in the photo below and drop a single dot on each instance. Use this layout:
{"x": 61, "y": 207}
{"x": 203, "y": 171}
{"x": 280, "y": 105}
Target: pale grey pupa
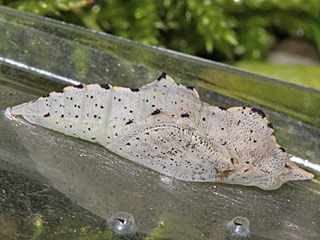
{"x": 164, "y": 126}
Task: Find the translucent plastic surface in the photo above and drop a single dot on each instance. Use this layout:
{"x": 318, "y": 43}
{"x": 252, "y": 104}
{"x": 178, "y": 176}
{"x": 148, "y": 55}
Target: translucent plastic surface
{"x": 39, "y": 55}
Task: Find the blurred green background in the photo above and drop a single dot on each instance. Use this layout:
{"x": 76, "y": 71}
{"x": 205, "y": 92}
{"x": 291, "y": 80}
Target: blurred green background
{"x": 279, "y": 38}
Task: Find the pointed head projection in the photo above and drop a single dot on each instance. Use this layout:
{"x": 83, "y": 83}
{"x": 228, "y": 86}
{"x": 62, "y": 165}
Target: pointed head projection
{"x": 271, "y": 175}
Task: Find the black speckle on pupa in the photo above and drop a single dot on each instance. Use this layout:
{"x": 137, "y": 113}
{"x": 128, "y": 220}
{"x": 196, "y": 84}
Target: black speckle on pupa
{"x": 260, "y": 112}
{"x": 270, "y": 125}
{"x": 105, "y": 86}
{"x": 80, "y": 86}
{"x": 129, "y": 122}
{"x": 163, "y": 75}
{"x": 157, "y": 111}
{"x": 222, "y": 108}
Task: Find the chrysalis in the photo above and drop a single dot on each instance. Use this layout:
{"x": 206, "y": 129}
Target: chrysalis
{"x": 164, "y": 126}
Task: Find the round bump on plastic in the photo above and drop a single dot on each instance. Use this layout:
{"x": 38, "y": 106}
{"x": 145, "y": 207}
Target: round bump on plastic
{"x": 239, "y": 227}
{"x": 122, "y": 223}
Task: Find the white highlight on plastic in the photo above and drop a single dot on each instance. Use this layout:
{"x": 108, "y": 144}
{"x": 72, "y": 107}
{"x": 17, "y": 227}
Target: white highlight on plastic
{"x": 40, "y": 71}
{"x": 305, "y": 163}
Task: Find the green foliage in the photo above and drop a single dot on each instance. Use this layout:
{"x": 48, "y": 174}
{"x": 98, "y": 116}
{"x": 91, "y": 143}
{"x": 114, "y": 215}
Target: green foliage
{"x": 47, "y": 7}
{"x": 217, "y": 29}
{"x": 305, "y": 75}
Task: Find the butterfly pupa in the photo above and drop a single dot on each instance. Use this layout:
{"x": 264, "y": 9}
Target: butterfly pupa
{"x": 164, "y": 126}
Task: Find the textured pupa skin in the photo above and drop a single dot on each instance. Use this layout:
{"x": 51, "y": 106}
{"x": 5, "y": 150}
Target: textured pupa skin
{"x": 164, "y": 126}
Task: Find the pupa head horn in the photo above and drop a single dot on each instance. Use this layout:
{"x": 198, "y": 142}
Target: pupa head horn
{"x": 294, "y": 173}
{"x": 291, "y": 172}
